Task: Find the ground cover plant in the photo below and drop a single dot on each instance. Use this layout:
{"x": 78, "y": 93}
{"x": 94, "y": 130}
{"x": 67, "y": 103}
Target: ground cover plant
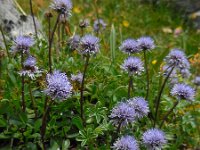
{"x": 101, "y": 75}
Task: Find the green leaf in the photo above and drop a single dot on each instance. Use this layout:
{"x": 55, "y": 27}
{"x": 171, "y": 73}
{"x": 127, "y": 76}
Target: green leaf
{"x": 112, "y": 42}
{"x": 65, "y": 144}
{"x": 54, "y": 145}
{"x": 77, "y": 121}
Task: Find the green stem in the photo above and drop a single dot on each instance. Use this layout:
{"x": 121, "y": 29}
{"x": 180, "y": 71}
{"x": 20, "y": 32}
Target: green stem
{"x": 51, "y": 36}
{"x": 44, "y": 123}
{"x": 130, "y": 85}
{"x": 147, "y": 75}
{"x": 160, "y": 94}
{"x": 32, "y": 14}
{"x": 22, "y": 80}
{"x": 82, "y": 86}
{"x": 168, "y": 113}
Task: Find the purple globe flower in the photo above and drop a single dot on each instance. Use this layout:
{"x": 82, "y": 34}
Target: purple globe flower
{"x": 73, "y": 42}
{"x": 126, "y": 142}
{"x": 99, "y": 24}
{"x": 185, "y": 73}
{"x": 154, "y": 139}
{"x": 62, "y": 6}
{"x": 89, "y": 44}
{"x": 84, "y": 23}
{"x": 167, "y": 69}
{"x": 133, "y": 65}
{"x": 183, "y": 91}
{"x": 30, "y": 62}
{"x": 177, "y": 59}
{"x": 196, "y": 81}
{"x": 122, "y": 114}
{"x": 30, "y": 68}
{"x": 129, "y": 46}
{"x": 78, "y": 77}
{"x": 146, "y": 43}
{"x": 140, "y": 106}
{"x": 58, "y": 86}
{"x": 23, "y": 43}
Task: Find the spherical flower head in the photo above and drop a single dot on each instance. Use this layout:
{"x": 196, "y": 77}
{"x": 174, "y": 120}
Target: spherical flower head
{"x": 185, "y": 73}
{"x": 99, "y": 24}
{"x": 167, "y": 69}
{"x": 133, "y": 65}
{"x": 30, "y": 62}
{"x": 126, "y": 142}
{"x": 73, "y": 42}
{"x": 154, "y": 139}
{"x": 183, "y": 92}
{"x": 177, "y": 59}
{"x": 84, "y": 23}
{"x": 62, "y": 6}
{"x": 146, "y": 43}
{"x": 30, "y": 69}
{"x": 129, "y": 46}
{"x": 23, "y": 43}
{"x": 122, "y": 114}
{"x": 58, "y": 86}
{"x": 196, "y": 81}
{"x": 77, "y": 78}
{"x": 89, "y": 44}
{"x": 140, "y": 106}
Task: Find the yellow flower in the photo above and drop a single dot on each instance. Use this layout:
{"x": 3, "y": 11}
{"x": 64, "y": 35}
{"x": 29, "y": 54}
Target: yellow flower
{"x": 76, "y": 10}
{"x": 125, "y": 23}
{"x": 167, "y": 30}
{"x": 154, "y": 62}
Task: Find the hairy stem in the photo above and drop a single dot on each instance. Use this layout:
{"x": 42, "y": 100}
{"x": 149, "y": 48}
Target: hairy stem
{"x": 130, "y": 85}
{"x": 168, "y": 113}
{"x": 22, "y": 90}
{"x": 59, "y": 42}
{"x": 147, "y": 75}
{"x": 82, "y": 86}
{"x": 97, "y": 13}
{"x": 51, "y": 36}
{"x": 32, "y": 14}
{"x": 44, "y": 123}
{"x": 160, "y": 94}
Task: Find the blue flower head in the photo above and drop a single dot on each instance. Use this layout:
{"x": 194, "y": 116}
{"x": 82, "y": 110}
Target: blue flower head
{"x": 122, "y": 114}
{"x": 126, "y": 142}
{"x": 153, "y": 139}
{"x": 140, "y": 106}
{"x": 89, "y": 44}
{"x": 30, "y": 69}
{"x": 30, "y": 62}
{"x": 62, "y": 6}
{"x": 183, "y": 92}
{"x": 133, "y": 65}
{"x": 196, "y": 81}
{"x": 23, "y": 43}
{"x": 78, "y": 77}
{"x": 58, "y": 86}
{"x": 177, "y": 59}
{"x": 129, "y": 46}
{"x": 73, "y": 42}
{"x": 146, "y": 43}
{"x": 166, "y": 69}
{"x": 99, "y": 24}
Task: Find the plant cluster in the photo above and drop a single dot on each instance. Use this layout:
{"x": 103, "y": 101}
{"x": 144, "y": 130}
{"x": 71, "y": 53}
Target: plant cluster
{"x": 70, "y": 102}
